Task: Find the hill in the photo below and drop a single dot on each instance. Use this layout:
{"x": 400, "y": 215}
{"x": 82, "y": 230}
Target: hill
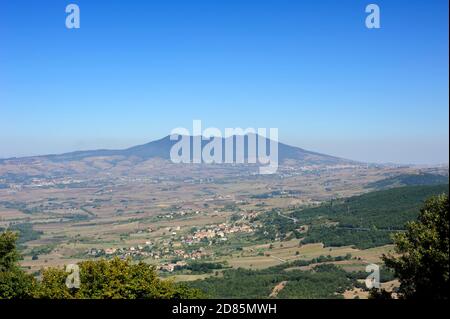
{"x": 409, "y": 180}
{"x": 366, "y": 220}
{"x": 161, "y": 149}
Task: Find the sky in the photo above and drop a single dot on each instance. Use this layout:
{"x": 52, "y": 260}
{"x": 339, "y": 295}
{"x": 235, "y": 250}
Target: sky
{"x": 135, "y": 70}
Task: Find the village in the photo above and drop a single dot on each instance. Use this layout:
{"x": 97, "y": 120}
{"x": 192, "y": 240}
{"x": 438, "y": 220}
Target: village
{"x": 179, "y": 249}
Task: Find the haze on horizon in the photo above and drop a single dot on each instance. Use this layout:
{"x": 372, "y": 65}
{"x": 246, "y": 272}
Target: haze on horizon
{"x": 134, "y": 71}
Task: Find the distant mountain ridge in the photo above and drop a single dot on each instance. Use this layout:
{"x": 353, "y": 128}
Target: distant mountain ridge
{"x": 161, "y": 149}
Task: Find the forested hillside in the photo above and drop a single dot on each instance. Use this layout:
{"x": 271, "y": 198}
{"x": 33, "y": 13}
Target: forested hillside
{"x": 366, "y": 220}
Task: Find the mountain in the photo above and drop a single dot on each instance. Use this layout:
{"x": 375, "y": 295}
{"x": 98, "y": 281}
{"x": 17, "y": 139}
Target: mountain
{"x": 161, "y": 149}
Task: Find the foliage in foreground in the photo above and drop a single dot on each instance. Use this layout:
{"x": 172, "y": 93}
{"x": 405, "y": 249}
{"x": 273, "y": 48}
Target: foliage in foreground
{"x": 14, "y": 283}
{"x": 102, "y": 279}
{"x": 423, "y": 263}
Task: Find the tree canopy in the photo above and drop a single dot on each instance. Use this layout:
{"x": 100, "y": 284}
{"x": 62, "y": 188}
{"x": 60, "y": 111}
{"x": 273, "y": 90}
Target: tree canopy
{"x": 422, "y": 264}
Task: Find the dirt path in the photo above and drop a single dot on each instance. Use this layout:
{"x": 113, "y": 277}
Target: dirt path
{"x": 278, "y": 258}
{"x": 291, "y": 218}
{"x": 276, "y": 290}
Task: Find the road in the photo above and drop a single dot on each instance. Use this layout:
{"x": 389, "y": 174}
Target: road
{"x": 295, "y": 220}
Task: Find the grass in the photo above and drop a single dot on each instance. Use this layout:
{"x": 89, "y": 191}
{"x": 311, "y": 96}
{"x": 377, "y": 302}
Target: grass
{"x": 287, "y": 251}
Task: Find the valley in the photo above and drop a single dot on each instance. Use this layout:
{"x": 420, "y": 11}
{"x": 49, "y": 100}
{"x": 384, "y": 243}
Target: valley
{"x": 201, "y": 224}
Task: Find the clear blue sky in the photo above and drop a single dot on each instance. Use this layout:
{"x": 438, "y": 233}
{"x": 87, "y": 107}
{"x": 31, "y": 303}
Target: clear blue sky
{"x": 137, "y": 69}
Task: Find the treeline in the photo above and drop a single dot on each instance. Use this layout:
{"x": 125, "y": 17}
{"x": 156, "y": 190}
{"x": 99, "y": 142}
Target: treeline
{"x": 25, "y": 231}
{"x": 409, "y": 180}
{"x": 333, "y": 236}
{"x": 200, "y": 267}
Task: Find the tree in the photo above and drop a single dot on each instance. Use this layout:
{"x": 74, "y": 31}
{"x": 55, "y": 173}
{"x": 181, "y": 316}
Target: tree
{"x": 423, "y": 262}
{"x": 112, "y": 279}
{"x": 380, "y": 294}
{"x": 8, "y": 253}
{"x": 14, "y": 282}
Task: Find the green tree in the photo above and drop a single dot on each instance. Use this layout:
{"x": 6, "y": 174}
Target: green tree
{"x": 112, "y": 279}
{"x": 8, "y": 252}
{"x": 14, "y": 282}
{"x": 422, "y": 265}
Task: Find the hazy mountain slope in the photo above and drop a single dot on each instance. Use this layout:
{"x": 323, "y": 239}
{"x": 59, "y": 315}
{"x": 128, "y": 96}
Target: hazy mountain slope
{"x": 161, "y": 149}
{"x": 409, "y": 180}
